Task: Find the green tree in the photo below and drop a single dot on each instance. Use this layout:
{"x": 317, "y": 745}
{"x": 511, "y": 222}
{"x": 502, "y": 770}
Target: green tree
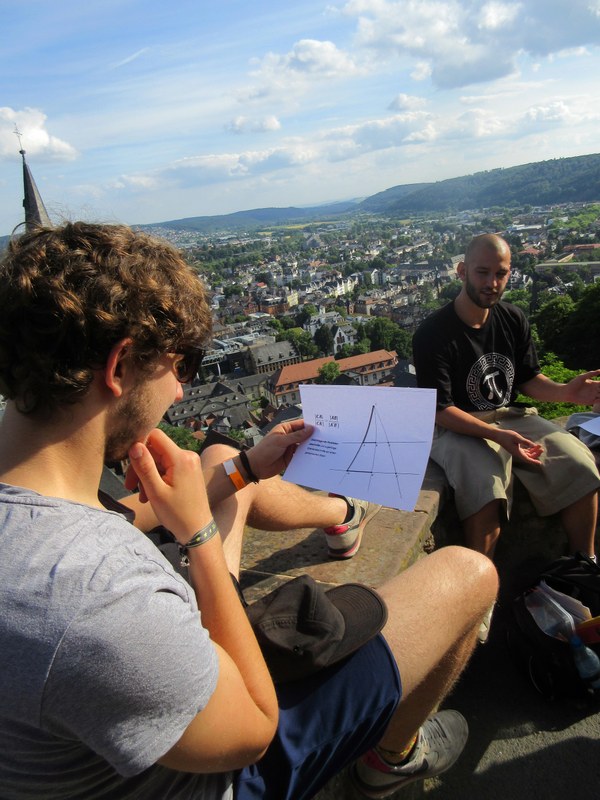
{"x": 302, "y": 340}
{"x": 582, "y": 331}
{"x": 387, "y": 335}
{"x": 450, "y": 291}
{"x": 324, "y": 339}
{"x": 181, "y": 436}
{"x": 237, "y": 434}
{"x": 308, "y": 310}
{"x": 264, "y": 277}
{"x": 520, "y": 298}
{"x": 328, "y": 372}
{"x": 551, "y": 321}
{"x": 554, "y": 369}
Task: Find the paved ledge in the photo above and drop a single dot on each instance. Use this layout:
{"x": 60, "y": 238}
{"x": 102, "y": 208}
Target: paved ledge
{"x": 392, "y": 540}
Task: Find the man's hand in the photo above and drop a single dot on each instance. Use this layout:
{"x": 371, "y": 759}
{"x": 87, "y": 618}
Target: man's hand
{"x": 171, "y": 480}
{"x": 521, "y": 449}
{"x": 583, "y": 390}
{"x": 273, "y": 453}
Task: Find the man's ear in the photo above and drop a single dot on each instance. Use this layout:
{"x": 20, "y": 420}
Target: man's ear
{"x": 461, "y": 270}
{"x": 118, "y": 366}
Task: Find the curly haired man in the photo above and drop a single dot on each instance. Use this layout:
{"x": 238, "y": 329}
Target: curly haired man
{"x": 118, "y": 678}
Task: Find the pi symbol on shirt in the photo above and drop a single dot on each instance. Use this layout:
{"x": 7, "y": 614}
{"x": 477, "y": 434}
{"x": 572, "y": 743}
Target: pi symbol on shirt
{"x": 490, "y": 381}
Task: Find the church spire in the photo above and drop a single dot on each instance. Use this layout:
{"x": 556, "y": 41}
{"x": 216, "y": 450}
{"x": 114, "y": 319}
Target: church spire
{"x": 35, "y": 211}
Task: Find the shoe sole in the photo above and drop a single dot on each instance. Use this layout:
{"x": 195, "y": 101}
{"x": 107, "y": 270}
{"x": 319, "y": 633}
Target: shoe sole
{"x": 345, "y": 554}
{"x": 379, "y": 792}
{"x": 384, "y": 791}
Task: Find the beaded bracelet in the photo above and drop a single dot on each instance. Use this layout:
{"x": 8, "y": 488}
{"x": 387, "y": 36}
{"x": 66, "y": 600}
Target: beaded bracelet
{"x": 200, "y": 537}
{"x": 246, "y": 465}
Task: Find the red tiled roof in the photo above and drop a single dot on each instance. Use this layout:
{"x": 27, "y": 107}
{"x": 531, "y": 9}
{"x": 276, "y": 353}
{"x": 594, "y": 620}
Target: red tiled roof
{"x": 309, "y": 370}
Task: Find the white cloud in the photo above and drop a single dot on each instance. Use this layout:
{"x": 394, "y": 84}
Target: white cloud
{"x": 129, "y": 59}
{"x": 35, "y": 139}
{"x": 309, "y": 61}
{"x": 496, "y": 15}
{"x": 406, "y": 102}
{"x": 462, "y": 42}
{"x": 241, "y": 124}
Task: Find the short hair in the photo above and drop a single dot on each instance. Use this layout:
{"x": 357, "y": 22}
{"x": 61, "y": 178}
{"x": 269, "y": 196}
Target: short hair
{"x": 69, "y": 294}
{"x": 487, "y": 241}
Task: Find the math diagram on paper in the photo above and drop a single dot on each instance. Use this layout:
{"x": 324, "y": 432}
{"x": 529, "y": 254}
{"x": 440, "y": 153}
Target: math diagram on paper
{"x": 371, "y": 443}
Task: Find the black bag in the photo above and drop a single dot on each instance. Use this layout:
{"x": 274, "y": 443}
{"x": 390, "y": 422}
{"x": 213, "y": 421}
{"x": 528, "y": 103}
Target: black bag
{"x": 544, "y": 659}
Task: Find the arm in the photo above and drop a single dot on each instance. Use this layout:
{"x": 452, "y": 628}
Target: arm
{"x": 269, "y": 457}
{"x": 240, "y": 719}
{"x": 582, "y": 389}
{"x": 454, "y": 419}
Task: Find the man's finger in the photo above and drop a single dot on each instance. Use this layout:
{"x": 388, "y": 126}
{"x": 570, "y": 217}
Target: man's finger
{"x": 146, "y": 470}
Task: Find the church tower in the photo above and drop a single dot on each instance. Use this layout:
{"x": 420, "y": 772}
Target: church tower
{"x": 35, "y": 211}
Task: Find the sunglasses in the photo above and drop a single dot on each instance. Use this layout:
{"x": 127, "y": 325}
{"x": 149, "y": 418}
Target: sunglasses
{"x": 187, "y": 365}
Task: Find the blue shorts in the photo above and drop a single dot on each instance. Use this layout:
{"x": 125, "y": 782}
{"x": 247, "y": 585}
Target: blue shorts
{"x": 326, "y": 721}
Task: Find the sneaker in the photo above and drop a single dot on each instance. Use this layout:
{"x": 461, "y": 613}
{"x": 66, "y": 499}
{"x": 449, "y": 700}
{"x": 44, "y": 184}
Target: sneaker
{"x": 486, "y": 623}
{"x": 343, "y": 540}
{"x": 440, "y": 741}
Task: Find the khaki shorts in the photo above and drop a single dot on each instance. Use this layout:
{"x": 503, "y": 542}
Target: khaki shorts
{"x": 480, "y": 471}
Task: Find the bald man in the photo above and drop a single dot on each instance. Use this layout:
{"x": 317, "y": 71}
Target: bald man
{"x": 478, "y": 353}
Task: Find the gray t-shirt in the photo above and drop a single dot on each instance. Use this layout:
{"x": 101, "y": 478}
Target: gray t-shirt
{"x": 103, "y": 660}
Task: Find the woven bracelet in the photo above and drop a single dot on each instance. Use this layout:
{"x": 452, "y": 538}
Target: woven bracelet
{"x": 246, "y": 465}
{"x": 200, "y": 537}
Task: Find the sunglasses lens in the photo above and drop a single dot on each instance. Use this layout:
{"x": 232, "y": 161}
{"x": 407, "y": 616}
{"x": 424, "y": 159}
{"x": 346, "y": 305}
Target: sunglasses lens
{"x": 188, "y": 365}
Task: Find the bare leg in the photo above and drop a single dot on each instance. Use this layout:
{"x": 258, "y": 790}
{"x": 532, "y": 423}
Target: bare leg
{"x": 482, "y": 529}
{"x": 271, "y": 505}
{"x": 435, "y": 609}
{"x": 579, "y": 521}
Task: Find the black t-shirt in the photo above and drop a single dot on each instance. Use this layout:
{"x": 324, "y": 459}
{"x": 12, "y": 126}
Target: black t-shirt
{"x": 475, "y": 369}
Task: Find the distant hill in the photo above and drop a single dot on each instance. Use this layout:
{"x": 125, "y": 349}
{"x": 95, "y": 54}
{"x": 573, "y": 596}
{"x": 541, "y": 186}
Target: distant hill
{"x": 258, "y": 218}
{"x": 559, "y": 180}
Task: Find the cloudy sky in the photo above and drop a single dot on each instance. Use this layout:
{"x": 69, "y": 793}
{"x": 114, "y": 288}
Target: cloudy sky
{"x": 141, "y": 111}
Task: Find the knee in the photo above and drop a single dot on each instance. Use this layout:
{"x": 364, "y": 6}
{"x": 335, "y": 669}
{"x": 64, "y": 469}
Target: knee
{"x": 474, "y": 571}
{"x": 217, "y": 454}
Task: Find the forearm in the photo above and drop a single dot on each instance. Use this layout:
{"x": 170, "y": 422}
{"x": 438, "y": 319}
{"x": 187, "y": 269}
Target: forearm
{"x": 227, "y": 623}
{"x": 459, "y": 421}
{"x": 544, "y": 389}
{"x": 219, "y": 485}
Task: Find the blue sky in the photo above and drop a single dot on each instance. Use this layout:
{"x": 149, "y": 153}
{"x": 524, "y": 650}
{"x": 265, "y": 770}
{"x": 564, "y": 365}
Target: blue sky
{"x": 140, "y": 111}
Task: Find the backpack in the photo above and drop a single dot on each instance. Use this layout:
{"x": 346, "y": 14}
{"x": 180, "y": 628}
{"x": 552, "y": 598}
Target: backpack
{"x": 544, "y": 659}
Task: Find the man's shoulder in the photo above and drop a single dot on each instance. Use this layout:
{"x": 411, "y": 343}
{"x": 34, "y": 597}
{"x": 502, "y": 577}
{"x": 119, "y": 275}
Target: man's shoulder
{"x": 509, "y": 311}
{"x": 437, "y": 321}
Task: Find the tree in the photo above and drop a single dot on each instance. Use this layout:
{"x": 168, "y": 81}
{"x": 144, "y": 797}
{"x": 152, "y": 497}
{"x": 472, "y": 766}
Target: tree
{"x": 324, "y": 339}
{"x": 582, "y": 331}
{"x": 387, "y": 335}
{"x": 551, "y": 321}
{"x": 328, "y": 372}
{"x": 303, "y": 316}
{"x": 181, "y": 436}
{"x": 264, "y": 277}
{"x": 302, "y": 340}
{"x": 450, "y": 291}
{"x": 554, "y": 369}
{"x": 520, "y": 298}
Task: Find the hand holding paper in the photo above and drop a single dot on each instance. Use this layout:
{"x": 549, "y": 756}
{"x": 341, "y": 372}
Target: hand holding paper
{"x": 369, "y": 442}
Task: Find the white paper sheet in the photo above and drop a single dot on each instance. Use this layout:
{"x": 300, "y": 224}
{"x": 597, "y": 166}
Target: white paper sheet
{"x": 592, "y": 425}
{"x": 370, "y": 442}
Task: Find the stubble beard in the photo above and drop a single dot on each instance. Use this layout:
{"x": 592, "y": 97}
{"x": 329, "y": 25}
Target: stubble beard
{"x": 129, "y": 425}
{"x": 481, "y": 300}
